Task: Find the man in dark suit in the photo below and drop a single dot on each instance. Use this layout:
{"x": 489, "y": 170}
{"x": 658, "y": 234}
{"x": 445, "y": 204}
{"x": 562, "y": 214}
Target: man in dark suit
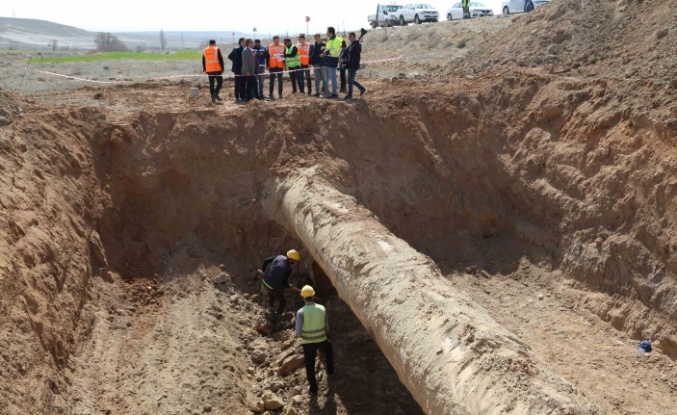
{"x": 250, "y": 70}
{"x": 236, "y": 57}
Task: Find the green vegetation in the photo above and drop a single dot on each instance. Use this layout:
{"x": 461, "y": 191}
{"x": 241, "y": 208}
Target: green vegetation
{"x": 112, "y": 56}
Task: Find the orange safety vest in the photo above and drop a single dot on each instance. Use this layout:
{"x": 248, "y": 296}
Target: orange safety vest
{"x": 304, "y": 53}
{"x": 273, "y": 50}
{"x": 212, "y": 64}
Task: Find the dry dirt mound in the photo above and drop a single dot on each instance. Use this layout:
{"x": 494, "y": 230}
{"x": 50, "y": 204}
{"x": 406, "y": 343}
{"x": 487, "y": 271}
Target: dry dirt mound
{"x": 621, "y": 38}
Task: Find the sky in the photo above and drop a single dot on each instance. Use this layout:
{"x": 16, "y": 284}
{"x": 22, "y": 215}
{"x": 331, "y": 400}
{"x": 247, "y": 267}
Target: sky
{"x": 267, "y": 16}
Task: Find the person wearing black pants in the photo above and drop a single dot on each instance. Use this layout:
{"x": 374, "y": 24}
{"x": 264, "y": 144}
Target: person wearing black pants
{"x": 240, "y": 83}
{"x": 313, "y": 329}
{"x": 292, "y": 61}
{"x": 250, "y": 70}
{"x": 276, "y": 272}
{"x": 352, "y": 64}
{"x": 212, "y": 65}
{"x": 342, "y": 69}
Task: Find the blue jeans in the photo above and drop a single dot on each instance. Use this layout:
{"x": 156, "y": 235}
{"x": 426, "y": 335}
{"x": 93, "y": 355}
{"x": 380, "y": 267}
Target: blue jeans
{"x": 330, "y": 75}
{"x": 319, "y": 75}
{"x": 352, "y": 81}
{"x": 262, "y": 77}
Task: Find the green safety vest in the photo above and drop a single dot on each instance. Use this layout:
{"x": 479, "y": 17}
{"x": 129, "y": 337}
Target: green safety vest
{"x": 313, "y": 330}
{"x": 294, "y": 62}
{"x": 333, "y": 47}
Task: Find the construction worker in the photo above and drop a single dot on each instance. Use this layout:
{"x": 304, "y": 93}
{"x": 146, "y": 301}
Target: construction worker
{"x": 275, "y": 66}
{"x": 316, "y": 60}
{"x": 240, "y": 83}
{"x": 313, "y": 329}
{"x": 212, "y": 65}
{"x": 305, "y": 49}
{"x": 466, "y": 8}
{"x": 352, "y": 64}
{"x": 331, "y": 53}
{"x": 276, "y": 277}
{"x": 292, "y": 61}
{"x": 261, "y": 56}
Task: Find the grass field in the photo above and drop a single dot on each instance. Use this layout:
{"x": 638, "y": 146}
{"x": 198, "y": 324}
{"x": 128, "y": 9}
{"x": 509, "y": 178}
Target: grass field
{"x": 113, "y": 56}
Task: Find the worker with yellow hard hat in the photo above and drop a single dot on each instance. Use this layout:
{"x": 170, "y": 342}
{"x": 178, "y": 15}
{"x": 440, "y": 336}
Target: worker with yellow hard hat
{"x": 313, "y": 329}
{"x": 276, "y": 271}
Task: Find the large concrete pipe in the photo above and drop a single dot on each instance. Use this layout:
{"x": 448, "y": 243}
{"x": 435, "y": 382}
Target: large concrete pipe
{"x": 447, "y": 351}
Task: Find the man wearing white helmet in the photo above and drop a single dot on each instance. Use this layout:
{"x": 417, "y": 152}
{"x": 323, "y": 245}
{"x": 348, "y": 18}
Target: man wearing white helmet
{"x": 313, "y": 329}
{"x": 276, "y": 277}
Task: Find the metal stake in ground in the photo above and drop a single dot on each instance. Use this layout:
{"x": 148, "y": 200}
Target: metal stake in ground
{"x": 24, "y": 75}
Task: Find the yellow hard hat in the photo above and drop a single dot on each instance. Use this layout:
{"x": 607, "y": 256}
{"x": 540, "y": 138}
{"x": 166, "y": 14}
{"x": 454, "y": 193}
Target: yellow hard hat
{"x": 294, "y": 254}
{"x": 307, "y": 291}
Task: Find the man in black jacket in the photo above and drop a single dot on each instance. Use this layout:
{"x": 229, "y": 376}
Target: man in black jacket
{"x": 353, "y": 64}
{"x": 316, "y": 62}
{"x": 240, "y": 84}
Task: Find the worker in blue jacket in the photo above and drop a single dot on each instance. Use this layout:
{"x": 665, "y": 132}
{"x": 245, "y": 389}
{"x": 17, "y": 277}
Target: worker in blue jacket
{"x": 261, "y": 56}
{"x": 276, "y": 272}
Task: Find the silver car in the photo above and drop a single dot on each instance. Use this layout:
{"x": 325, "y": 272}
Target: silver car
{"x": 521, "y": 6}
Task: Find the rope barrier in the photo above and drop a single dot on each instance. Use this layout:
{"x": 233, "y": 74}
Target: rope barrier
{"x": 167, "y": 77}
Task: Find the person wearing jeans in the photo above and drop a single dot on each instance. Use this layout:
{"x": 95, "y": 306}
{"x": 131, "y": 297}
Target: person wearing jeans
{"x": 261, "y": 56}
{"x": 353, "y": 65}
{"x": 313, "y": 329}
{"x": 316, "y": 61}
{"x": 331, "y": 53}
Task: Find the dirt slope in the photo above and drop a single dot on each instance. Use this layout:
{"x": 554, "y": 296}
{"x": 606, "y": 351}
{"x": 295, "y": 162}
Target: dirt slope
{"x": 610, "y": 38}
{"x": 48, "y": 200}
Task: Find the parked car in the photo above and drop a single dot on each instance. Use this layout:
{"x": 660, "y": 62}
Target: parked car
{"x": 418, "y": 13}
{"x": 521, "y": 6}
{"x": 476, "y": 10}
{"x": 388, "y": 15}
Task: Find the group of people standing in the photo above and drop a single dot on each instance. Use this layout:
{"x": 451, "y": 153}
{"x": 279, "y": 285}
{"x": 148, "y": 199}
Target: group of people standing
{"x": 250, "y": 60}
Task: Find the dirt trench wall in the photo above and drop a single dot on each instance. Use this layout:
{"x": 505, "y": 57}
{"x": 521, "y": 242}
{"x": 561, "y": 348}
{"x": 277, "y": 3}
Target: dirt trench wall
{"x": 49, "y": 205}
{"x": 452, "y": 357}
{"x": 171, "y": 177}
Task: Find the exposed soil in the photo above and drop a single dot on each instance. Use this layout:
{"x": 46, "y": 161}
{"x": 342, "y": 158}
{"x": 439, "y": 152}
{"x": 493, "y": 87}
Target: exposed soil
{"x": 544, "y": 189}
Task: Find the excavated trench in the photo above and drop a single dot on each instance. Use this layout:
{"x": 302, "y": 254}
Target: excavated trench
{"x": 369, "y": 194}
{"x": 437, "y": 171}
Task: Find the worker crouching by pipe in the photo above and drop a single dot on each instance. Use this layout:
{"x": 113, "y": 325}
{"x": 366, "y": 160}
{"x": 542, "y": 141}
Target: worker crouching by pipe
{"x": 276, "y": 279}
